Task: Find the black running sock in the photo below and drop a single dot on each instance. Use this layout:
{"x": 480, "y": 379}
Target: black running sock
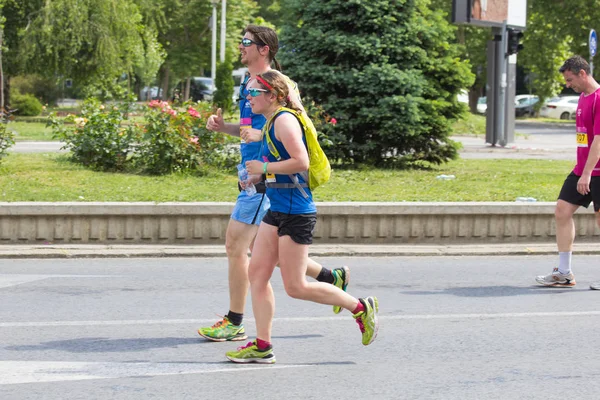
{"x": 235, "y": 318}
{"x": 325, "y": 275}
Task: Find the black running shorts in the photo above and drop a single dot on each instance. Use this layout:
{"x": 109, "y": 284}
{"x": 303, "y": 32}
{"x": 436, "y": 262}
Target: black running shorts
{"x": 299, "y": 227}
{"x": 570, "y": 194}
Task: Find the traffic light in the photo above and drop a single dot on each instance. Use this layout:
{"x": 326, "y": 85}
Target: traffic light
{"x": 514, "y": 37}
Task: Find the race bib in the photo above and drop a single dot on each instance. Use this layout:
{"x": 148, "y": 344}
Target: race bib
{"x": 582, "y": 139}
{"x": 270, "y": 177}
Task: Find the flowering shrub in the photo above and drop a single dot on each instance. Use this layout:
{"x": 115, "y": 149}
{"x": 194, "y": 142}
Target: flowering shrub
{"x": 166, "y": 144}
{"x": 169, "y": 140}
{"x": 97, "y": 138}
{"x": 176, "y": 140}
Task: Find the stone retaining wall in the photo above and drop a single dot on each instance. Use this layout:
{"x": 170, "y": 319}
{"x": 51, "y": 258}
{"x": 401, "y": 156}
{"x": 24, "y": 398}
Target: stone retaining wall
{"x": 361, "y": 223}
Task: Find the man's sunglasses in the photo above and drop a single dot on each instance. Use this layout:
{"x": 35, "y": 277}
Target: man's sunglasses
{"x": 249, "y": 42}
{"x": 256, "y": 92}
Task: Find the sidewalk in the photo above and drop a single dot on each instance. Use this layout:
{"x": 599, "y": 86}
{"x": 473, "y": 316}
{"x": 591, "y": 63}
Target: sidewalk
{"x": 323, "y": 250}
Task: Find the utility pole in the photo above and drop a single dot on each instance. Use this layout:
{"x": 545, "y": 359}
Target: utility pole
{"x": 1, "y": 74}
{"x": 213, "y": 23}
{"x": 223, "y": 28}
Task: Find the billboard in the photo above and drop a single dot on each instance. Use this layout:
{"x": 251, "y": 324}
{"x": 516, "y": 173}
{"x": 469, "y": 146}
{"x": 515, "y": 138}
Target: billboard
{"x": 490, "y": 12}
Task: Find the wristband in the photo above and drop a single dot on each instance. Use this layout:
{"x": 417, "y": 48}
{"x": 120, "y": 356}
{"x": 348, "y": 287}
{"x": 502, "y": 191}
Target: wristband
{"x": 265, "y": 168}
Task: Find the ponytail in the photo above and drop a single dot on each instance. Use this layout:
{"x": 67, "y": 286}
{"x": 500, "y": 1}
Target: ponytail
{"x": 277, "y": 65}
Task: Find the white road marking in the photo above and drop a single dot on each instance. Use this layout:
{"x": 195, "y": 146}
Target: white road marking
{"x": 303, "y": 319}
{"x": 19, "y": 372}
{"x": 7, "y": 280}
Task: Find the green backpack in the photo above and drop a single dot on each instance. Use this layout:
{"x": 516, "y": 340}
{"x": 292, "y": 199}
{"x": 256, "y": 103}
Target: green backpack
{"x": 319, "y": 170}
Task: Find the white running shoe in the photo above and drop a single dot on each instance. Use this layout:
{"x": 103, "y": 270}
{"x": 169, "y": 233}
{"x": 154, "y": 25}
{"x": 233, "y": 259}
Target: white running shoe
{"x": 557, "y": 279}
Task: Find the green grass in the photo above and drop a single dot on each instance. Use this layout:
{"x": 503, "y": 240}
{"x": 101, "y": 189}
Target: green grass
{"x": 472, "y": 125}
{"x": 31, "y": 131}
{"x": 49, "y": 177}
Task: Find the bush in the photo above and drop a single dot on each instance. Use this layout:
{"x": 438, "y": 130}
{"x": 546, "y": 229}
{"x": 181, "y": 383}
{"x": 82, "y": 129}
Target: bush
{"x": 170, "y": 140}
{"x": 387, "y": 70}
{"x": 42, "y": 88}
{"x": 98, "y": 139}
{"x": 176, "y": 140}
{"x": 26, "y": 105}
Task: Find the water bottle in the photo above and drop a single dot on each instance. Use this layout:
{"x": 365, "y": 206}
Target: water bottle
{"x": 445, "y": 177}
{"x": 243, "y": 175}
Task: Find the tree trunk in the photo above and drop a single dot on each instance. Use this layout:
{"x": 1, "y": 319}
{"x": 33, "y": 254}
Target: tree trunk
{"x": 186, "y": 96}
{"x": 473, "y": 98}
{"x": 165, "y": 84}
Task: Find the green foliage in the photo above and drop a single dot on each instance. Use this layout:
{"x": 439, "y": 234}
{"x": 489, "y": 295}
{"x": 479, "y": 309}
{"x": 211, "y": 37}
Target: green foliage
{"x": 25, "y": 104}
{"x": 550, "y": 39}
{"x": 224, "y": 83}
{"x": 168, "y": 144}
{"x": 36, "y": 85}
{"x": 93, "y": 42}
{"x": 169, "y": 140}
{"x": 97, "y": 139}
{"x": 176, "y": 140}
{"x": 385, "y": 70}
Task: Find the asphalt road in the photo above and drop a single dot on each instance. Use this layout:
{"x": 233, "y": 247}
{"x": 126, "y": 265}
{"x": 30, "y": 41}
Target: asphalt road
{"x": 451, "y": 328}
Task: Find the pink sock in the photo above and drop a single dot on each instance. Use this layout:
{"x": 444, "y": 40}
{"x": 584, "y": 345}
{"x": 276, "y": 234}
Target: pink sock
{"x": 262, "y": 344}
{"x": 359, "y": 307}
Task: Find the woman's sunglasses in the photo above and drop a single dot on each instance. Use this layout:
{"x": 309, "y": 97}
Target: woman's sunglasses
{"x": 249, "y": 42}
{"x": 256, "y": 92}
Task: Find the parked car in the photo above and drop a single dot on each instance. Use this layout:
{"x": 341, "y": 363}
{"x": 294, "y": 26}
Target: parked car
{"x": 525, "y": 106}
{"x": 201, "y": 89}
{"x": 150, "y": 93}
{"x": 482, "y": 105}
{"x": 522, "y": 97}
{"x": 463, "y": 96}
{"x": 560, "y": 108}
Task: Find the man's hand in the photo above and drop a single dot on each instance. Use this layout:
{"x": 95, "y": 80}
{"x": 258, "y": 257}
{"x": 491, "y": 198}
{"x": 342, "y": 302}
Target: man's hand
{"x": 583, "y": 184}
{"x": 215, "y": 122}
{"x": 251, "y": 135}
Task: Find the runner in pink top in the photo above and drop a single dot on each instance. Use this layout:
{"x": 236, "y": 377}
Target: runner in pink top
{"x": 582, "y": 186}
{"x": 588, "y": 126}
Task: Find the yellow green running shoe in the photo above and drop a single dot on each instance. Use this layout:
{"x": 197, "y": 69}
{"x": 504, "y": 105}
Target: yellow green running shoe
{"x": 341, "y": 279}
{"x": 251, "y": 354}
{"x": 367, "y": 320}
{"x": 223, "y": 331}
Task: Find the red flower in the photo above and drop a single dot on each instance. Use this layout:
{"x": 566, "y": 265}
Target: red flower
{"x": 333, "y": 121}
{"x": 193, "y": 112}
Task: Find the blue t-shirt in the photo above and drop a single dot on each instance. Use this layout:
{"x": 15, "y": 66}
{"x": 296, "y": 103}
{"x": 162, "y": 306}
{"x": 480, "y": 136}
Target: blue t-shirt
{"x": 249, "y": 151}
{"x": 288, "y": 200}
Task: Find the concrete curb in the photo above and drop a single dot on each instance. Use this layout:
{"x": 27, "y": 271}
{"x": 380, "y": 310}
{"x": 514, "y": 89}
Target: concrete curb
{"x": 209, "y": 251}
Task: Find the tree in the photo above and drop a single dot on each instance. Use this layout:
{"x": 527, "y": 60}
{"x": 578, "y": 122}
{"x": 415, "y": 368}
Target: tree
{"x": 94, "y": 42}
{"x": 16, "y": 15}
{"x": 550, "y": 39}
{"x": 385, "y": 70}
{"x": 224, "y": 83}
{"x": 184, "y": 32}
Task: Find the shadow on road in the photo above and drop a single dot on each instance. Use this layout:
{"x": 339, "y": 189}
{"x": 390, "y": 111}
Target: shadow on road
{"x": 492, "y": 291}
{"x": 104, "y": 345}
